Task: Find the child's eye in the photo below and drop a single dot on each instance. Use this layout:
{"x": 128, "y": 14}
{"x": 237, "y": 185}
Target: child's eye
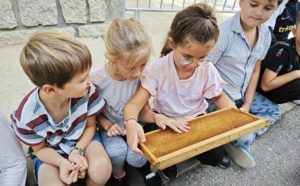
{"x": 187, "y": 57}
{"x": 253, "y": 5}
{"x": 268, "y": 9}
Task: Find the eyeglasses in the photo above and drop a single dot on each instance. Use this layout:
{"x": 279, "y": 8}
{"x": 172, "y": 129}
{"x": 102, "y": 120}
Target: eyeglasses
{"x": 202, "y": 61}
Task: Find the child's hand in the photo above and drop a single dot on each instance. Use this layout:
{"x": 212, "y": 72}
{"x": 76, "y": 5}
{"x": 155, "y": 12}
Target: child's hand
{"x": 80, "y": 161}
{"x": 116, "y": 130}
{"x": 162, "y": 121}
{"x": 245, "y": 108}
{"x": 135, "y": 133}
{"x": 68, "y": 172}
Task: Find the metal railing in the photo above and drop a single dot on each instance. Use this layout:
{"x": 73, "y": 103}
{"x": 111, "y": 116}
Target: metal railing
{"x": 138, "y": 6}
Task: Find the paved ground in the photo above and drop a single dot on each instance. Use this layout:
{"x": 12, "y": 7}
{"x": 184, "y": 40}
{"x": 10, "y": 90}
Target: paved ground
{"x": 277, "y": 152}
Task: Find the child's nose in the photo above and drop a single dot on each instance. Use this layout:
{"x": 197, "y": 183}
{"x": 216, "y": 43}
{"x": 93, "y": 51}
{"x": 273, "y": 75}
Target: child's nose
{"x": 258, "y": 11}
{"x": 137, "y": 73}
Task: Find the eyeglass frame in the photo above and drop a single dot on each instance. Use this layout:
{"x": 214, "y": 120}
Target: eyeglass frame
{"x": 199, "y": 62}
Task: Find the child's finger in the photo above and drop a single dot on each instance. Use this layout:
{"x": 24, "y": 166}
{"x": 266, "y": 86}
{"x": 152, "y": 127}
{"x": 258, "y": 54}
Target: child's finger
{"x": 120, "y": 130}
{"x": 77, "y": 160}
{"x": 81, "y": 174}
{"x": 84, "y": 166}
{"x": 134, "y": 146}
{"x": 183, "y": 128}
{"x": 74, "y": 175}
{"x": 138, "y": 151}
{"x": 161, "y": 125}
{"x": 141, "y": 135}
{"x": 173, "y": 127}
{"x": 243, "y": 109}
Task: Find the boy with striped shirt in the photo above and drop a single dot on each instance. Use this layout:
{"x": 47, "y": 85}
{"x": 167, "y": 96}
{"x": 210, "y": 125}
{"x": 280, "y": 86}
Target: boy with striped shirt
{"x": 58, "y": 118}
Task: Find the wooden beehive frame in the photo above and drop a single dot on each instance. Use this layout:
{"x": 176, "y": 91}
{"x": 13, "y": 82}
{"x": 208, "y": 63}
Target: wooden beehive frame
{"x": 222, "y": 134}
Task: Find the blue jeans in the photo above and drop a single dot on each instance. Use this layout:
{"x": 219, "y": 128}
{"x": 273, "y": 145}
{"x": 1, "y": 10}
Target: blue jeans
{"x": 37, "y": 162}
{"x": 261, "y": 107}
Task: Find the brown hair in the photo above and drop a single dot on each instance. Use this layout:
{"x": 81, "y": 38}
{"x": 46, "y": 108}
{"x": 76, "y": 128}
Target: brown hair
{"x": 196, "y": 22}
{"x": 53, "y": 58}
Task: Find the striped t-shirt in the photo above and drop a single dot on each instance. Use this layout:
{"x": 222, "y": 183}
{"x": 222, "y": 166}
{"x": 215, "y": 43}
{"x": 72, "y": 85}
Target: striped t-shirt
{"x": 33, "y": 124}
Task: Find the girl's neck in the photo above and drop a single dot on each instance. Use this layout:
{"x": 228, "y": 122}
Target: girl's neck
{"x": 182, "y": 75}
{"x": 110, "y": 69}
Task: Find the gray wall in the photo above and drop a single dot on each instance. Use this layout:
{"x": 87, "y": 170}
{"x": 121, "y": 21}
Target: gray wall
{"x": 78, "y": 18}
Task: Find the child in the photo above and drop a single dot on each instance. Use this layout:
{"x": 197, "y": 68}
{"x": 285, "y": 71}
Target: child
{"x": 180, "y": 81}
{"x": 128, "y": 47}
{"x": 237, "y": 55}
{"x": 280, "y": 75}
{"x": 13, "y": 163}
{"x": 283, "y": 20}
{"x": 58, "y": 118}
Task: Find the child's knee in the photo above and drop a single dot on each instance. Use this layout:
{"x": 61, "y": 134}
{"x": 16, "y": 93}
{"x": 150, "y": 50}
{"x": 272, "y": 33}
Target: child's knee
{"x": 100, "y": 171}
{"x": 116, "y": 149}
{"x": 136, "y": 160}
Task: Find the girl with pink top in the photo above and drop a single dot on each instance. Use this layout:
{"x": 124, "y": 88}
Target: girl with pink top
{"x": 180, "y": 81}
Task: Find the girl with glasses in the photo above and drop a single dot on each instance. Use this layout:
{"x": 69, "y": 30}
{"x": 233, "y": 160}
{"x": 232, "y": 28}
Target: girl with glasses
{"x": 180, "y": 82}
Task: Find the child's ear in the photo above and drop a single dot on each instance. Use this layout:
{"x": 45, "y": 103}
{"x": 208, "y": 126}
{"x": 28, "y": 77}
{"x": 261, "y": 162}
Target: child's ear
{"x": 294, "y": 31}
{"x": 171, "y": 43}
{"x": 49, "y": 89}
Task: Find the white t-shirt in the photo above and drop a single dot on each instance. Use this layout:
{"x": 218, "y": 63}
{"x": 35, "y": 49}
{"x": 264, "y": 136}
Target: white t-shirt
{"x": 116, "y": 93}
{"x": 181, "y": 99}
{"x": 13, "y": 163}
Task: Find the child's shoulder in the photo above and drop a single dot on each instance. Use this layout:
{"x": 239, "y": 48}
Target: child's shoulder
{"x": 288, "y": 46}
{"x": 28, "y": 107}
{"x": 161, "y": 62}
{"x": 99, "y": 74}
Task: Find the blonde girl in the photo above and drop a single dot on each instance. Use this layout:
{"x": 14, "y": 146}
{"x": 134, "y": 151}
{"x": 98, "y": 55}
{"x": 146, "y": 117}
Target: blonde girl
{"x": 128, "y": 47}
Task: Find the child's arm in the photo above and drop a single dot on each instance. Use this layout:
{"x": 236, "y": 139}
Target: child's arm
{"x": 134, "y": 131}
{"x": 270, "y": 80}
{"x": 162, "y": 121}
{"x": 84, "y": 141}
{"x": 68, "y": 171}
{"x": 251, "y": 88}
{"x": 223, "y": 101}
{"x": 113, "y": 129}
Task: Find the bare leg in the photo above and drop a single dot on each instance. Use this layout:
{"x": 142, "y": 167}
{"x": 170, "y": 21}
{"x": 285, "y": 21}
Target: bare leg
{"x": 100, "y": 169}
{"x": 49, "y": 175}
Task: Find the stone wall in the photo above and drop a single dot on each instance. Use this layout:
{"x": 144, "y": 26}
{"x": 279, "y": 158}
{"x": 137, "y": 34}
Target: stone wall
{"x": 78, "y": 18}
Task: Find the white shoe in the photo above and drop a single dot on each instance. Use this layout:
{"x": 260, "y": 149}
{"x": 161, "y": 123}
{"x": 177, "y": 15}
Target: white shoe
{"x": 297, "y": 102}
{"x": 240, "y": 155}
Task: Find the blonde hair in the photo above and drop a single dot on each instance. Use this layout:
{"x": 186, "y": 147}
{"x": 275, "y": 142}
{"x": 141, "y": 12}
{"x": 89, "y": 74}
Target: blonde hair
{"x": 53, "y": 58}
{"x": 127, "y": 39}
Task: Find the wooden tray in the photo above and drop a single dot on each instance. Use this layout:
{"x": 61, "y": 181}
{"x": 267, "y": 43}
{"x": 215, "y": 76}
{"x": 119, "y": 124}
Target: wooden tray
{"x": 164, "y": 148}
